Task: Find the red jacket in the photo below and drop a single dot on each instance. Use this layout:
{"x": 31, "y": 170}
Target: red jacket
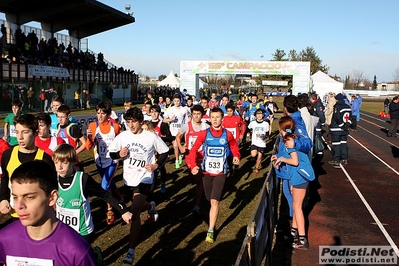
{"x": 191, "y": 158}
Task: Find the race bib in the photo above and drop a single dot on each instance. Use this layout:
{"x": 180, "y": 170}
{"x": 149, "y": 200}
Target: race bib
{"x": 214, "y": 165}
{"x": 233, "y": 131}
{"x": 13, "y": 132}
{"x": 102, "y": 149}
{"x": 175, "y": 128}
{"x": 25, "y": 261}
{"x": 191, "y": 141}
{"x": 69, "y": 217}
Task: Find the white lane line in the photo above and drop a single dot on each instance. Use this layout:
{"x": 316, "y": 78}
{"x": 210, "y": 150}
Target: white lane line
{"x": 368, "y": 207}
{"x": 374, "y": 117}
{"x": 390, "y": 143}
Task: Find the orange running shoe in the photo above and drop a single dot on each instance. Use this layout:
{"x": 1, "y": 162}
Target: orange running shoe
{"x": 110, "y": 217}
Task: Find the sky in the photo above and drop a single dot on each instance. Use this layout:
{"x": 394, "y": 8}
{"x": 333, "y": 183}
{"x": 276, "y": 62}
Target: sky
{"x": 348, "y": 36}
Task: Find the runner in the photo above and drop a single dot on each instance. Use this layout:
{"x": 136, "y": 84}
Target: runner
{"x": 100, "y": 135}
{"x": 191, "y": 130}
{"x": 44, "y": 140}
{"x": 9, "y": 125}
{"x": 234, "y": 123}
{"x": 74, "y": 190}
{"x": 176, "y": 116}
{"x": 162, "y": 130}
{"x": 218, "y": 143}
{"x": 39, "y": 238}
{"x": 260, "y": 132}
{"x": 26, "y": 127}
{"x": 137, "y": 148}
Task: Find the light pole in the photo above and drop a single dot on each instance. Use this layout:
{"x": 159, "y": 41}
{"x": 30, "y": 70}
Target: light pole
{"x": 216, "y": 81}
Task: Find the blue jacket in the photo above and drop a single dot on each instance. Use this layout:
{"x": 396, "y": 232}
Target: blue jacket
{"x": 355, "y": 106}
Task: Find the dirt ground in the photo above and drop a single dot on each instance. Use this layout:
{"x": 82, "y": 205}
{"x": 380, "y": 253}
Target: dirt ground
{"x": 177, "y": 238}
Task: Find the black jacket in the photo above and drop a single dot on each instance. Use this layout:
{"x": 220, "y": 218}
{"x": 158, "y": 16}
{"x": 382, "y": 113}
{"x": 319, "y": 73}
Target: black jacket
{"x": 394, "y": 110}
{"x": 341, "y": 121}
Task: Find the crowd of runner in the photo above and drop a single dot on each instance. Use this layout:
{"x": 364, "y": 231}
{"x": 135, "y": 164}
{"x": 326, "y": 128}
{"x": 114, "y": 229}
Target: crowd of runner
{"x": 209, "y": 133}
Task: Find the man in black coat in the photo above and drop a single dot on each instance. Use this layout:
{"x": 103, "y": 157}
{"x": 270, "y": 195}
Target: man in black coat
{"x": 394, "y": 113}
{"x": 339, "y": 129}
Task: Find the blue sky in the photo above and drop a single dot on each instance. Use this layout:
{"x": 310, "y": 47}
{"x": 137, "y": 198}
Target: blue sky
{"x": 348, "y": 36}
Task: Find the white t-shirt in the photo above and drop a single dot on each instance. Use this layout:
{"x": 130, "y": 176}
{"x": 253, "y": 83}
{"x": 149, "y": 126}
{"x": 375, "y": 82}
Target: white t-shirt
{"x": 142, "y": 148}
{"x": 259, "y": 133}
{"x": 181, "y": 115}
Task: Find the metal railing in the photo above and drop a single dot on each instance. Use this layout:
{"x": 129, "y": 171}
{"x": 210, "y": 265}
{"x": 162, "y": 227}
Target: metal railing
{"x": 258, "y": 242}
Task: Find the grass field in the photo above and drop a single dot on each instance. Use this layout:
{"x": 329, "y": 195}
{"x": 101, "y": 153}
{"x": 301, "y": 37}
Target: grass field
{"x": 177, "y": 238}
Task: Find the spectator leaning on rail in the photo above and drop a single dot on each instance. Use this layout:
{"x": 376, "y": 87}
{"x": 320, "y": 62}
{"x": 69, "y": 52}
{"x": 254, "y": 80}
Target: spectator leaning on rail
{"x": 302, "y": 144}
{"x": 339, "y": 128}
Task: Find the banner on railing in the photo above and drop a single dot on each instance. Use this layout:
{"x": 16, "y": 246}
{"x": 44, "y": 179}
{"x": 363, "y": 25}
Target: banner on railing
{"x": 48, "y": 71}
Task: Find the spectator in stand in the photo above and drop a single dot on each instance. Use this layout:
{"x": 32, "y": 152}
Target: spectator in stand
{"x": 83, "y": 99}
{"x": 31, "y": 97}
{"x": 88, "y": 99}
{"x": 76, "y": 98}
{"x": 43, "y": 99}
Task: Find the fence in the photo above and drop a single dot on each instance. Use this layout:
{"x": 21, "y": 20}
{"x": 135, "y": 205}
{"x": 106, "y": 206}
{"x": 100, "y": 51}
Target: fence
{"x": 258, "y": 242}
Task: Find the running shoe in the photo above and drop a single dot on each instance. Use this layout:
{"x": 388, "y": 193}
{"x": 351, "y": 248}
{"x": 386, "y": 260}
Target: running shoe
{"x": 129, "y": 258}
{"x": 209, "y": 237}
{"x": 99, "y": 257}
{"x": 301, "y": 244}
{"x": 196, "y": 210}
{"x": 334, "y": 162}
{"x": 180, "y": 158}
{"x": 344, "y": 162}
{"x": 152, "y": 213}
{"x": 177, "y": 164}
{"x": 110, "y": 218}
{"x": 163, "y": 187}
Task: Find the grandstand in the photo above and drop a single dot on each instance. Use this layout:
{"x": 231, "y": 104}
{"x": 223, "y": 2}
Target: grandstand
{"x": 44, "y": 57}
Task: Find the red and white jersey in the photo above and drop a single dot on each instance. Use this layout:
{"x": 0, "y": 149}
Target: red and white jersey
{"x": 213, "y": 104}
{"x": 192, "y": 134}
{"x": 157, "y": 129}
{"x": 234, "y": 124}
{"x": 206, "y": 116}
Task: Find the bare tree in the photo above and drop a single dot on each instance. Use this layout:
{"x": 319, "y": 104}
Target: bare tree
{"x": 356, "y": 77}
{"x": 396, "y": 79}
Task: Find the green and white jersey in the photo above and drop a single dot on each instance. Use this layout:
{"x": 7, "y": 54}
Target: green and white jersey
{"x": 73, "y": 208}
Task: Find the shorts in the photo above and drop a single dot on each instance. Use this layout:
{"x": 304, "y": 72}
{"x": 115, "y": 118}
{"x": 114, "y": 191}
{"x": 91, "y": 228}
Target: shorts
{"x": 303, "y": 185}
{"x": 196, "y": 178}
{"x": 144, "y": 189}
{"x": 213, "y": 186}
{"x": 259, "y": 149}
{"x": 107, "y": 173}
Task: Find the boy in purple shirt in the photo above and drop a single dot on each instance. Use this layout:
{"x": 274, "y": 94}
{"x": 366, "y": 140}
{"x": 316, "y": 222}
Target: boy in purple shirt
{"x": 38, "y": 238}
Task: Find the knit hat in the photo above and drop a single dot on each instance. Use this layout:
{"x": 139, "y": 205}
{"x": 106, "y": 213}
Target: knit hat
{"x": 339, "y": 96}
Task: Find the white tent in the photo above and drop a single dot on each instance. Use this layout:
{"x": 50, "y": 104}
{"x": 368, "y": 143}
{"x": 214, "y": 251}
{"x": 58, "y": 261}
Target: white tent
{"x": 170, "y": 81}
{"x": 202, "y": 84}
{"x": 322, "y": 84}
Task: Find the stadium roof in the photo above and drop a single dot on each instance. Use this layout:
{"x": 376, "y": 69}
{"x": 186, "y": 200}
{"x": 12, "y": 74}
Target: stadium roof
{"x": 82, "y": 18}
